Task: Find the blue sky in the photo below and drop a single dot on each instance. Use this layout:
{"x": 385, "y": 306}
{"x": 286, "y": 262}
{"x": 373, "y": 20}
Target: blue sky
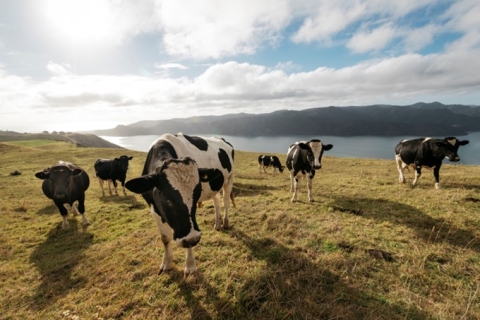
{"x": 75, "y": 65}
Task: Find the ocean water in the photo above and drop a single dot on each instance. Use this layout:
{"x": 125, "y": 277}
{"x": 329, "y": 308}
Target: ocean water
{"x": 350, "y": 147}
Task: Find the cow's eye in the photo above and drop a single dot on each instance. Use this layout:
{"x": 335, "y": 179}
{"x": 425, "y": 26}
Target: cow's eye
{"x": 169, "y": 203}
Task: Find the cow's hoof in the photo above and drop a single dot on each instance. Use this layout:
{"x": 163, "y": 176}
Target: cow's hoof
{"x": 163, "y": 269}
{"x": 187, "y": 273}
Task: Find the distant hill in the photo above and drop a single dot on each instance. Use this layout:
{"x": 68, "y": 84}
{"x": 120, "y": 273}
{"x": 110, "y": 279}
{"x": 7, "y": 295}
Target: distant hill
{"x": 84, "y": 140}
{"x": 420, "y": 119}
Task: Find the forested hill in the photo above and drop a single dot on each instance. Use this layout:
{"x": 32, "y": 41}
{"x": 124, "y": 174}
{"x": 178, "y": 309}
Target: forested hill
{"x": 420, "y": 119}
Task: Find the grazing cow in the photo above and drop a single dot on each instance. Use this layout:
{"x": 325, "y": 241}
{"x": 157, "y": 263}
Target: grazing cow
{"x": 112, "y": 170}
{"x": 269, "y": 161}
{"x": 65, "y": 183}
{"x": 303, "y": 158}
{"x": 426, "y": 152}
{"x": 179, "y": 171}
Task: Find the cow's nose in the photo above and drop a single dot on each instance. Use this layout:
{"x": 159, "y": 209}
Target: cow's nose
{"x": 317, "y": 167}
{"x": 60, "y": 195}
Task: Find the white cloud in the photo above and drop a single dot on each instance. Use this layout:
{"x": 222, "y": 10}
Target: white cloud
{"x": 167, "y": 66}
{"x": 370, "y": 41}
{"x": 111, "y": 22}
{"x": 324, "y": 21}
{"x": 419, "y": 38}
{"x": 213, "y": 29}
{"x": 57, "y": 69}
{"x": 463, "y": 17}
{"x": 328, "y": 19}
{"x": 234, "y": 87}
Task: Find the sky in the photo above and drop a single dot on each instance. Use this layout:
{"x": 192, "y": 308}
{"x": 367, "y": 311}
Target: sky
{"x": 77, "y": 65}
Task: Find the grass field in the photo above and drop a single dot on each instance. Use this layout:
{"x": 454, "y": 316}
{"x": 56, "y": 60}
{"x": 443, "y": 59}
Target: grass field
{"x": 367, "y": 248}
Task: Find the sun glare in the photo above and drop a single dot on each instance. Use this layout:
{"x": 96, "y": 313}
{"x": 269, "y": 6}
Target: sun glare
{"x": 80, "y": 21}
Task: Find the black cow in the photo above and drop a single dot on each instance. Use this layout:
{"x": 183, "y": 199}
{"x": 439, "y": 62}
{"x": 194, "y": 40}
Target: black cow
{"x": 65, "y": 183}
{"x": 303, "y": 158}
{"x": 426, "y": 152}
{"x": 179, "y": 171}
{"x": 111, "y": 170}
{"x": 269, "y": 161}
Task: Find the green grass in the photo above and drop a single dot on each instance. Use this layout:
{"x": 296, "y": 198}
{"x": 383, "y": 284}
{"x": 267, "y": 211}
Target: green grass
{"x": 367, "y": 248}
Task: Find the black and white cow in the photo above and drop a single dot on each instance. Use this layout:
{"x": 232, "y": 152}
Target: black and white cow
{"x": 426, "y": 152}
{"x": 111, "y": 170}
{"x": 66, "y": 183}
{"x": 303, "y": 158}
{"x": 269, "y": 161}
{"x": 179, "y": 171}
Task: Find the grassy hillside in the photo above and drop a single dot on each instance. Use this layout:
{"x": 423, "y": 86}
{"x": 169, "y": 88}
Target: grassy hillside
{"x": 368, "y": 248}
{"x": 82, "y": 140}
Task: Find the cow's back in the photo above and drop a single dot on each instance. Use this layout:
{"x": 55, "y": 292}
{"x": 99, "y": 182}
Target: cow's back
{"x": 103, "y": 168}
{"x": 407, "y": 149}
{"x": 294, "y": 157}
{"x": 209, "y": 153}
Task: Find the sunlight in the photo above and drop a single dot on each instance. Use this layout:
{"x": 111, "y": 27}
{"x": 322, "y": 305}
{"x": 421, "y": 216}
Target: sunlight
{"x": 80, "y": 21}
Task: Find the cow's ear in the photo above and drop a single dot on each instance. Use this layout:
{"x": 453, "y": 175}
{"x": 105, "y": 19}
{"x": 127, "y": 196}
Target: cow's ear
{"x": 77, "y": 171}
{"x": 303, "y": 145}
{"x": 130, "y": 158}
{"x": 464, "y": 142}
{"x": 327, "y": 147}
{"x": 42, "y": 175}
{"x": 141, "y": 184}
{"x": 116, "y": 159}
{"x": 208, "y": 174}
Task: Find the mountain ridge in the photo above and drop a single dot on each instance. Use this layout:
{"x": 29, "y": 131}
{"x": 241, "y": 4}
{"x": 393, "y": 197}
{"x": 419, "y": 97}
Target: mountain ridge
{"x": 422, "y": 119}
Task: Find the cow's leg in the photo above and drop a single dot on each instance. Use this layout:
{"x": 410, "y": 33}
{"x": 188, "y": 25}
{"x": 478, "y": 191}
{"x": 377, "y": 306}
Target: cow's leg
{"x": 291, "y": 181}
{"x": 309, "y": 187}
{"x": 400, "y": 168}
{"x": 100, "y": 181}
{"x": 167, "y": 236}
{"x": 418, "y": 173}
{"x": 123, "y": 186}
{"x": 115, "y": 186}
{"x": 436, "y": 174}
{"x": 109, "y": 188}
{"x": 64, "y": 212}
{"x": 218, "y": 217}
{"x": 295, "y": 186}
{"x": 190, "y": 265}
{"x": 227, "y": 193}
{"x": 69, "y": 208}
{"x": 81, "y": 209}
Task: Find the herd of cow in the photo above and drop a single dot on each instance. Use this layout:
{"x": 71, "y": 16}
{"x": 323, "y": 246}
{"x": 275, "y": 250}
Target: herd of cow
{"x": 181, "y": 171}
